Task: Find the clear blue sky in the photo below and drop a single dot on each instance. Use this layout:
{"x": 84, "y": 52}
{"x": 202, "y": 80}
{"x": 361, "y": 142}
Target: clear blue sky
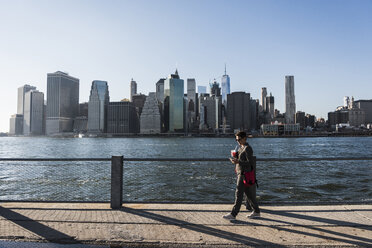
{"x": 326, "y": 45}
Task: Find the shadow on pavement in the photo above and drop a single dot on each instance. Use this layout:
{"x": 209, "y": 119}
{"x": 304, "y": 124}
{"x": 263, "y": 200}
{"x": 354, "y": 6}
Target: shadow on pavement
{"x": 200, "y": 228}
{"x": 48, "y": 233}
{"x": 352, "y": 240}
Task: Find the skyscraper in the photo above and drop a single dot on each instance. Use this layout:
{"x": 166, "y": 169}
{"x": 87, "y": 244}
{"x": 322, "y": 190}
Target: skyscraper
{"x": 239, "y": 111}
{"x": 210, "y": 107}
{"x": 150, "y": 116}
{"x": 138, "y": 102}
{"x": 365, "y": 105}
{"x": 16, "y": 124}
{"x": 173, "y": 103}
{"x": 33, "y": 117}
{"x": 191, "y": 102}
{"x": 191, "y": 94}
{"x": 62, "y": 102}
{"x": 122, "y": 118}
{"x": 16, "y": 121}
{"x": 160, "y": 90}
{"x": 290, "y": 104}
{"x": 215, "y": 89}
{"x": 133, "y": 89}
{"x": 263, "y": 98}
{"x": 97, "y": 106}
{"x": 270, "y": 108}
{"x": 225, "y": 87}
{"x": 21, "y": 97}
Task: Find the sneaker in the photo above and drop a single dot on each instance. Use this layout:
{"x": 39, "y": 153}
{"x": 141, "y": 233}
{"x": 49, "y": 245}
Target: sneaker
{"x": 228, "y": 217}
{"x": 253, "y": 215}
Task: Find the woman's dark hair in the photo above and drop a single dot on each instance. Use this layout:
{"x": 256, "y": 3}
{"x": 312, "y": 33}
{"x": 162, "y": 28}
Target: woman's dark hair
{"x": 241, "y": 134}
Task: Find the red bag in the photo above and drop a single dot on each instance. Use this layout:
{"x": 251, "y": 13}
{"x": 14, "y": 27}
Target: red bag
{"x": 249, "y": 178}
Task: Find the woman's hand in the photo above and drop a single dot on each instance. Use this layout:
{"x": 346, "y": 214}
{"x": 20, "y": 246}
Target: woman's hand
{"x": 234, "y": 160}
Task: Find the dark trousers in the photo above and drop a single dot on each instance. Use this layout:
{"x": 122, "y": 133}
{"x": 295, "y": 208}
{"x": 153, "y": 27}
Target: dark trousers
{"x": 250, "y": 192}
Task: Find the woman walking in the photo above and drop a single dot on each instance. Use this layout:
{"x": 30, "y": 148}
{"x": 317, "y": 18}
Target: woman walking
{"x": 243, "y": 163}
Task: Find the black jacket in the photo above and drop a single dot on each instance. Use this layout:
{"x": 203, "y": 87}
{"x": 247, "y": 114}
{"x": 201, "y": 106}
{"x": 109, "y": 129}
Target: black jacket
{"x": 245, "y": 157}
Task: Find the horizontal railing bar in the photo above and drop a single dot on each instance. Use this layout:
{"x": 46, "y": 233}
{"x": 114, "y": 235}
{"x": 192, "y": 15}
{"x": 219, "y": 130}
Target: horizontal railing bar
{"x": 190, "y": 159}
{"x": 312, "y": 159}
{"x": 55, "y": 159}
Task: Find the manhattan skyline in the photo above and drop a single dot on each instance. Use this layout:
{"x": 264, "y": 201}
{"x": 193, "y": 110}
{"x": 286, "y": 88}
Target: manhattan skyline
{"x": 325, "y": 45}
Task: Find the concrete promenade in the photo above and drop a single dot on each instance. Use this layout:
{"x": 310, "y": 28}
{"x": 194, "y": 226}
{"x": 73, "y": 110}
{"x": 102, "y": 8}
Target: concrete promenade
{"x": 186, "y": 225}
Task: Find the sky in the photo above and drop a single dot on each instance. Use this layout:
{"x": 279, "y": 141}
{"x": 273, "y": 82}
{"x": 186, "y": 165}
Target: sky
{"x": 325, "y": 44}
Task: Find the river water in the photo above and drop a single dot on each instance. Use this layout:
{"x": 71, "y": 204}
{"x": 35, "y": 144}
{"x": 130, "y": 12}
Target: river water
{"x": 279, "y": 182}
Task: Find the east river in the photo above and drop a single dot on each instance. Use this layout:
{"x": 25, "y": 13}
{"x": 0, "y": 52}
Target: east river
{"x": 279, "y": 182}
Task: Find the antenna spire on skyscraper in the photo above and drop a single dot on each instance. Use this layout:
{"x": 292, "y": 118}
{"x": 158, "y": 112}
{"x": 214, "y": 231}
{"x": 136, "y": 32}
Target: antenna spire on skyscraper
{"x": 225, "y": 68}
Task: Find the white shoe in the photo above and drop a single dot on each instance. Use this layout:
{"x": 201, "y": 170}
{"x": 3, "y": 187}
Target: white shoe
{"x": 228, "y": 217}
{"x": 253, "y": 215}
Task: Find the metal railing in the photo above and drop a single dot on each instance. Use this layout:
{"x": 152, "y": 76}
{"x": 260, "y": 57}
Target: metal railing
{"x": 189, "y": 159}
{"x": 117, "y": 164}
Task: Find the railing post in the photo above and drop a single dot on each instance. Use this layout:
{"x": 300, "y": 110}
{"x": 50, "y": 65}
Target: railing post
{"x": 116, "y": 181}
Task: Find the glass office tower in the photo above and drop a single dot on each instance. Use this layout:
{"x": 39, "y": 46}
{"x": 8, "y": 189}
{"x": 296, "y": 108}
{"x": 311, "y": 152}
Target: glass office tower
{"x": 173, "y": 103}
{"x": 225, "y": 87}
{"x": 133, "y": 89}
{"x": 97, "y": 106}
{"x": 62, "y": 102}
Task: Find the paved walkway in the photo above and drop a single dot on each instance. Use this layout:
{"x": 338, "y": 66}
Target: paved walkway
{"x": 186, "y": 225}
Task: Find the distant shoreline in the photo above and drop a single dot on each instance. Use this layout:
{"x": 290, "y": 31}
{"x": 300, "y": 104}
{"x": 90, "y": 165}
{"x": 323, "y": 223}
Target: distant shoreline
{"x": 206, "y": 135}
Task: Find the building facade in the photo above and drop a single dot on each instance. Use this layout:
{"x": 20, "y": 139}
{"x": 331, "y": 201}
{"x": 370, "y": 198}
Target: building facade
{"x": 215, "y": 89}
{"x": 210, "y": 107}
{"x": 173, "y": 103}
{"x": 357, "y": 117}
{"x": 15, "y": 119}
{"x": 62, "y": 102}
{"x": 254, "y": 114}
{"x": 97, "y": 107}
{"x": 83, "y": 109}
{"x": 290, "y": 103}
{"x": 191, "y": 103}
{"x": 300, "y": 118}
{"x": 21, "y": 97}
{"x": 191, "y": 94}
{"x": 33, "y": 118}
{"x": 310, "y": 120}
{"x": 366, "y": 106}
{"x": 150, "y": 120}
{"x": 278, "y": 129}
{"x": 138, "y": 102}
{"x": 160, "y": 90}
{"x": 225, "y": 87}
{"x": 270, "y": 107}
{"x": 133, "y": 89}
{"x": 81, "y": 124}
{"x": 16, "y": 125}
{"x": 263, "y": 99}
{"x": 122, "y": 118}
{"x": 337, "y": 117}
{"x": 239, "y": 111}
